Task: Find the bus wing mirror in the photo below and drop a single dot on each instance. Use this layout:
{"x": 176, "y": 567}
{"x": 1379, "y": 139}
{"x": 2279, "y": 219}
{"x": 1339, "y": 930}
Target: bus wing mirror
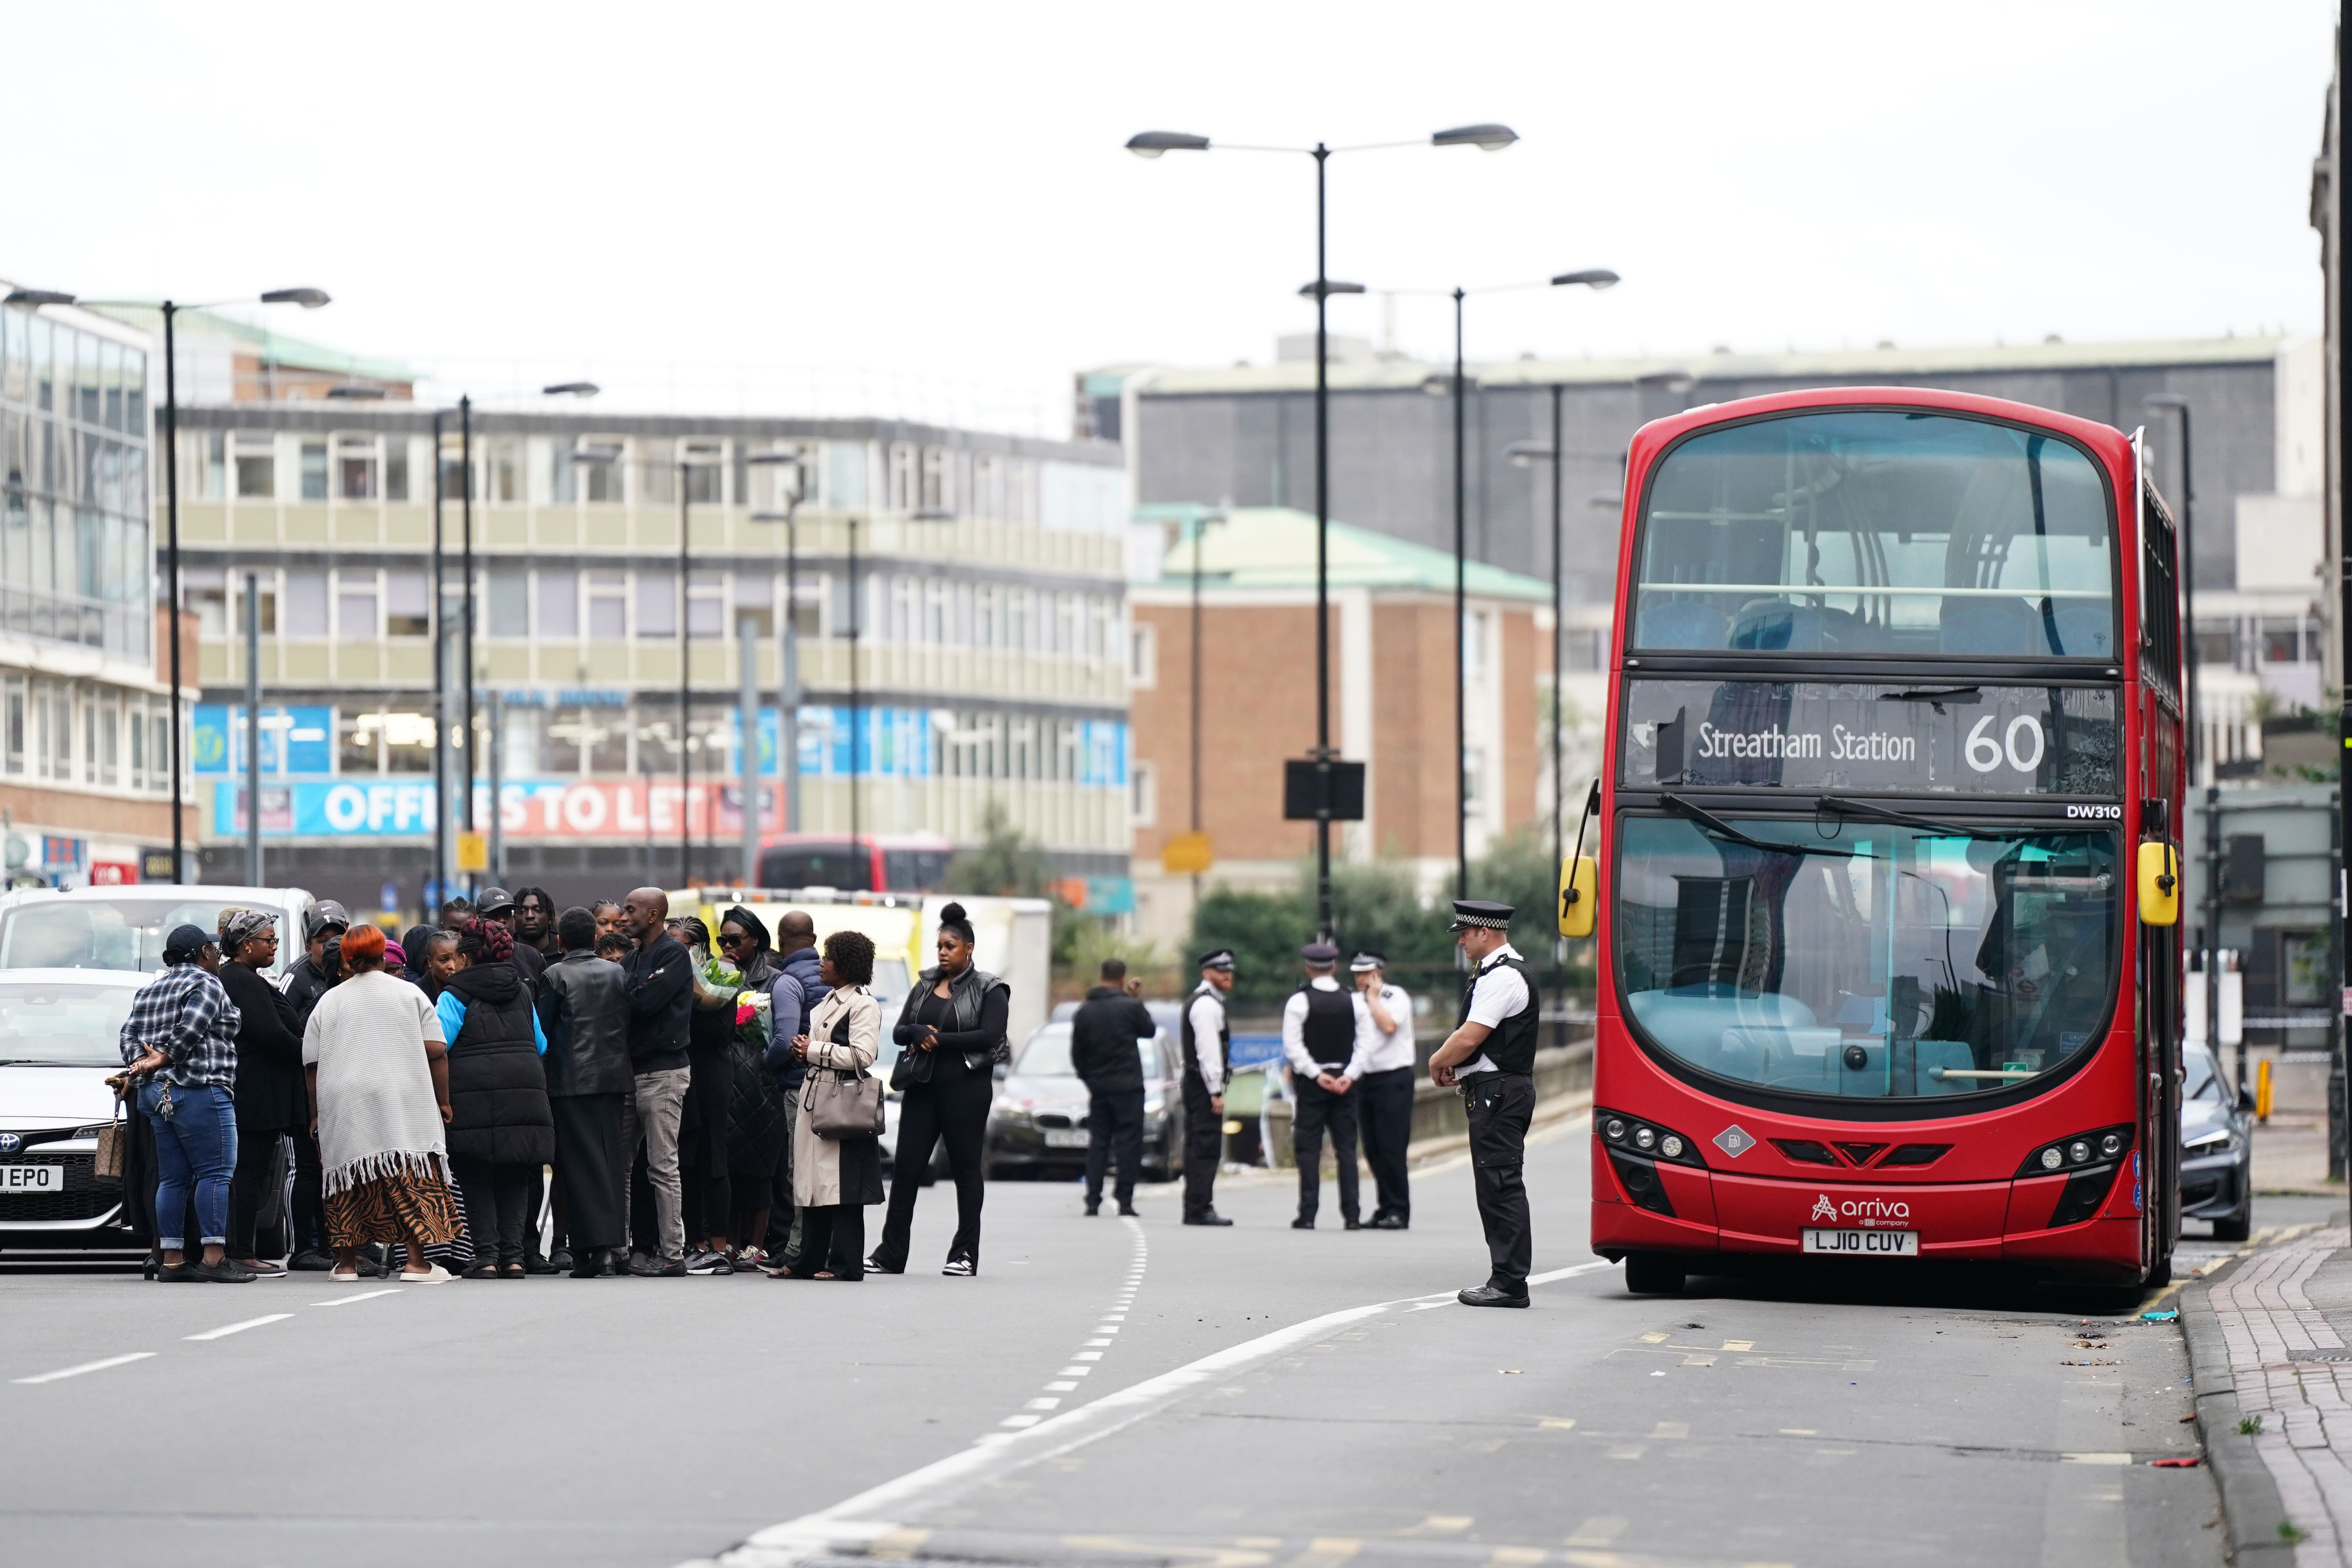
{"x": 1579, "y": 887}
{"x": 2159, "y": 884}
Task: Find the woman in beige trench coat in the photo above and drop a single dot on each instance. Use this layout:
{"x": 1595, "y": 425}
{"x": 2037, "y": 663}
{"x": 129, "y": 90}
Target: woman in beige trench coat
{"x": 833, "y": 1179}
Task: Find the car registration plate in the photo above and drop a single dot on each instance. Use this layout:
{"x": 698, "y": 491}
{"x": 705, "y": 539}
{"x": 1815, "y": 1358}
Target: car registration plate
{"x": 1066, "y": 1137}
{"x": 1865, "y": 1243}
{"x": 32, "y": 1178}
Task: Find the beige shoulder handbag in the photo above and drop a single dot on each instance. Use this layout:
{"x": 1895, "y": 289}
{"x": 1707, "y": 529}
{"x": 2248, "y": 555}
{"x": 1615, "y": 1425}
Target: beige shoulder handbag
{"x": 839, "y": 1104}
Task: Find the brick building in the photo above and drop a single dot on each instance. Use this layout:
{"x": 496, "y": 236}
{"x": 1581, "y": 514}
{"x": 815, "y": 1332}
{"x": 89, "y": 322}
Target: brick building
{"x": 1392, "y": 669}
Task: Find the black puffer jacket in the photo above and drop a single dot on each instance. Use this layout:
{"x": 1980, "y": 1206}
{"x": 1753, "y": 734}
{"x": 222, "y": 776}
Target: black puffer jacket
{"x": 497, "y": 1086}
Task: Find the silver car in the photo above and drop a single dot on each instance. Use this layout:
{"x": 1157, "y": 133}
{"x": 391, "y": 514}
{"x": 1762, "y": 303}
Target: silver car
{"x": 1038, "y": 1124}
{"x": 123, "y": 928}
{"x": 2216, "y": 1148}
{"x": 59, "y": 1030}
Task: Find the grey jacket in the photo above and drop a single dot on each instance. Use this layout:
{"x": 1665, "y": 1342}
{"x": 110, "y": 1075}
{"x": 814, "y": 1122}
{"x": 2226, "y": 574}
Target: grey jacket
{"x": 583, "y": 1009}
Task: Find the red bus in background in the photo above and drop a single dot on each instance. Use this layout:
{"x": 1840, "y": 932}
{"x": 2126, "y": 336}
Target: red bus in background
{"x": 870, "y": 863}
{"x": 1884, "y": 887}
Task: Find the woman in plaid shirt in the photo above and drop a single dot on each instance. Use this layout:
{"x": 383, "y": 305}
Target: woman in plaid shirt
{"x": 180, "y": 1044}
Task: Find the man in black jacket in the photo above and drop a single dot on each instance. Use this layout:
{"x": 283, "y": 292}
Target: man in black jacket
{"x": 660, "y": 984}
{"x": 1103, "y": 1040}
{"x": 584, "y": 1010}
{"x": 312, "y": 976}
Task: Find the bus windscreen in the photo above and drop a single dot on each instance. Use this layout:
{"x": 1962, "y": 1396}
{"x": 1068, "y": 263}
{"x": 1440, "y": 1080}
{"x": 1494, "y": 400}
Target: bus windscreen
{"x": 1866, "y": 959}
{"x": 1878, "y": 532}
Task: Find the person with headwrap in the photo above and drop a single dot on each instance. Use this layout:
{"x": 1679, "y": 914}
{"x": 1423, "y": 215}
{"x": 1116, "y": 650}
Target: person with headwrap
{"x": 756, "y": 1127}
{"x": 950, "y": 1034}
{"x": 501, "y": 1130}
{"x": 179, "y": 1045}
{"x": 268, "y": 1091}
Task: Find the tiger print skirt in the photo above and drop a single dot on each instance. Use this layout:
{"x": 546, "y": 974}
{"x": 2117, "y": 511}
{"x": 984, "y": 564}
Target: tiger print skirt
{"x": 393, "y": 1208}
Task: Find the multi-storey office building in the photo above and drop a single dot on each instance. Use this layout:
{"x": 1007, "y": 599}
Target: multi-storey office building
{"x": 84, "y": 732}
{"x": 989, "y": 606}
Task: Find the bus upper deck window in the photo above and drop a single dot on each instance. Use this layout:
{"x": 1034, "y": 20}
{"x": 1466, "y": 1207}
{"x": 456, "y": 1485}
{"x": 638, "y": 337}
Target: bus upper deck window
{"x": 1878, "y": 532}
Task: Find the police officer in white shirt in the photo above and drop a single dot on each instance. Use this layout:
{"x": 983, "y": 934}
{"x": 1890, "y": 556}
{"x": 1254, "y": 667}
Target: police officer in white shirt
{"x": 1318, "y": 1039}
{"x": 1382, "y": 1068}
{"x": 1491, "y": 1056}
{"x": 1208, "y": 1044}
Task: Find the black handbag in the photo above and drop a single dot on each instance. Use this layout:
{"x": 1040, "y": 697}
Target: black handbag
{"x": 841, "y": 1104}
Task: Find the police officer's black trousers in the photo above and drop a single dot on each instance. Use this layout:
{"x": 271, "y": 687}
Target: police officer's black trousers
{"x": 1386, "y": 1112}
{"x": 1205, "y": 1140}
{"x": 1500, "y": 1106}
{"x": 1317, "y": 1108}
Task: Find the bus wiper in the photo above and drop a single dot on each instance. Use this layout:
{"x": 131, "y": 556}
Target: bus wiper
{"x": 1837, "y": 807}
{"x": 1934, "y": 694}
{"x": 1716, "y": 828}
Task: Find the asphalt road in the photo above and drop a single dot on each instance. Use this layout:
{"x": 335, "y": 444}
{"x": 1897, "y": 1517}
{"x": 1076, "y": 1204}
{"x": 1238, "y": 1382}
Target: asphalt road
{"x": 1105, "y": 1392}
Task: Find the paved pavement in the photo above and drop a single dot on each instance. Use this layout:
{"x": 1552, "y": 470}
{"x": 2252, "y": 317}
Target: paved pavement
{"x": 1105, "y": 1392}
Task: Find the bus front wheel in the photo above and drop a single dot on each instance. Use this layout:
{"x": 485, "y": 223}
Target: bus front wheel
{"x": 1652, "y": 1274}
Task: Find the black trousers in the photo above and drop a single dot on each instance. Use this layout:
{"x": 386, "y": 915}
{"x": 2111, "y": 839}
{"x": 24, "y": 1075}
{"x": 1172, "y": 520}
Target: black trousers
{"x": 309, "y": 1195}
{"x": 1115, "y": 1125}
{"x": 1500, "y": 1105}
{"x": 248, "y": 1185}
{"x": 1319, "y": 1108}
{"x": 1205, "y": 1140}
{"x": 833, "y": 1240}
{"x": 705, "y": 1189}
{"x": 952, "y": 1108}
{"x": 497, "y": 1206}
{"x": 1386, "y": 1112}
{"x": 590, "y": 1169}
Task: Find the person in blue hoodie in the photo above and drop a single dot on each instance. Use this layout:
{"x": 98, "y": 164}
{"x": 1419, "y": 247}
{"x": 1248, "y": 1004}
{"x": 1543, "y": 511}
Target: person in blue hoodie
{"x": 793, "y": 993}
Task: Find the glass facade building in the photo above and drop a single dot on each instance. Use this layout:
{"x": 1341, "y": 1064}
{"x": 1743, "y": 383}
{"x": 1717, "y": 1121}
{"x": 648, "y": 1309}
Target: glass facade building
{"x": 85, "y": 739}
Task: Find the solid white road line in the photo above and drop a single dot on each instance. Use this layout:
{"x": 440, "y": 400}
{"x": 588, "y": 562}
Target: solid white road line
{"x": 86, "y": 1366}
{"x": 363, "y": 1296}
{"x": 240, "y": 1328}
{"x": 873, "y": 1514}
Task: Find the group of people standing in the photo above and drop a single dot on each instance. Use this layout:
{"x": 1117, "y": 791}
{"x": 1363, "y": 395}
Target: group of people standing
{"x": 428, "y": 1086}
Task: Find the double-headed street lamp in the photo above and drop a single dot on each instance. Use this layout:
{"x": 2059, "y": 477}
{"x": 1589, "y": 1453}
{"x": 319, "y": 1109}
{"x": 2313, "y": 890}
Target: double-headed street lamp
{"x": 309, "y": 300}
{"x": 1595, "y": 278}
{"x": 1489, "y": 138}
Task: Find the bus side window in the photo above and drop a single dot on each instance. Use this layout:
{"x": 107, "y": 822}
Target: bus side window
{"x": 2159, "y": 565}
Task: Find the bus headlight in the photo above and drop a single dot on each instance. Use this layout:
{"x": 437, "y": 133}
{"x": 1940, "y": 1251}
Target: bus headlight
{"x": 2100, "y": 1144}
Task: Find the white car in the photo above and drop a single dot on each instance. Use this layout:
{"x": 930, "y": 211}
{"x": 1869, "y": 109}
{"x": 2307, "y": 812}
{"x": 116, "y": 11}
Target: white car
{"x": 59, "y": 1033}
{"x": 123, "y": 928}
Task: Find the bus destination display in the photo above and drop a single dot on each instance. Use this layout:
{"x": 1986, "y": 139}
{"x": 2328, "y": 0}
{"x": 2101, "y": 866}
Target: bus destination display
{"x": 1822, "y": 736}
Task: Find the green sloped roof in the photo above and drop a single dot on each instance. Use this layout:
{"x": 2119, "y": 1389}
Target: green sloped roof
{"x": 271, "y": 347}
{"x": 1272, "y": 549}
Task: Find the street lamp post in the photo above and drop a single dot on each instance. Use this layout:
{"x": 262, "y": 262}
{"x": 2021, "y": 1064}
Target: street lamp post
{"x": 1593, "y": 277}
{"x": 1491, "y": 138}
{"x": 792, "y": 486}
{"x": 309, "y": 300}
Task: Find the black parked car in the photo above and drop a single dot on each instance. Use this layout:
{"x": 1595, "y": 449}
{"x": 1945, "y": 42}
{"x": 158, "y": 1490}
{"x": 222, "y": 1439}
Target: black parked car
{"x": 1038, "y": 1124}
{"x": 2217, "y": 1166}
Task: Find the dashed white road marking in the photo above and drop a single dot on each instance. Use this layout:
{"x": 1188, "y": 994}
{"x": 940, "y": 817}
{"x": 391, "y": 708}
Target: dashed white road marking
{"x": 1107, "y": 1326}
{"x": 363, "y": 1296}
{"x": 223, "y": 1333}
{"x": 1028, "y": 1438}
{"x": 86, "y": 1366}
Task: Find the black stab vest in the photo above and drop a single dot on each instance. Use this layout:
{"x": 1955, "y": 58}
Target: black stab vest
{"x": 1329, "y": 1034}
{"x": 1512, "y": 1045}
{"x": 1224, "y": 1032}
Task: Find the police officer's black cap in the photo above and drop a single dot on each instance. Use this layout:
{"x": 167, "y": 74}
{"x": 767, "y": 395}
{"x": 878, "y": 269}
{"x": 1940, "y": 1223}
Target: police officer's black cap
{"x": 1480, "y": 914}
{"x": 495, "y": 901}
{"x": 324, "y": 914}
{"x": 1222, "y": 958}
{"x": 1319, "y": 952}
{"x": 1366, "y": 960}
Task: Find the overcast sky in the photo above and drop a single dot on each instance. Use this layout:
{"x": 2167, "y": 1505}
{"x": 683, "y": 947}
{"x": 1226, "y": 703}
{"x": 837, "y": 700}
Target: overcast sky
{"x": 925, "y": 209}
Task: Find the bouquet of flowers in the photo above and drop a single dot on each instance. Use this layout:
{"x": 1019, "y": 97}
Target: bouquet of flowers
{"x": 755, "y": 1023}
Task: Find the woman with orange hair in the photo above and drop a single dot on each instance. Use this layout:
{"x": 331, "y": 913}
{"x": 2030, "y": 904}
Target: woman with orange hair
{"x": 379, "y": 1080}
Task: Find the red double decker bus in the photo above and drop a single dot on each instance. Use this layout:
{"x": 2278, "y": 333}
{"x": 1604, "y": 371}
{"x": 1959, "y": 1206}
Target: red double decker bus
{"x": 1886, "y": 882}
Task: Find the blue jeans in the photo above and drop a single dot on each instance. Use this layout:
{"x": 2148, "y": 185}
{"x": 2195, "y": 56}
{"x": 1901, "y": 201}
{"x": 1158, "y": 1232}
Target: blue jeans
{"x": 195, "y": 1148}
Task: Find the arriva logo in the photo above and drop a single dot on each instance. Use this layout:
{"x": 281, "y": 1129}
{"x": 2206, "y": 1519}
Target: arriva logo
{"x": 1823, "y": 1208}
{"x": 1866, "y": 1210}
